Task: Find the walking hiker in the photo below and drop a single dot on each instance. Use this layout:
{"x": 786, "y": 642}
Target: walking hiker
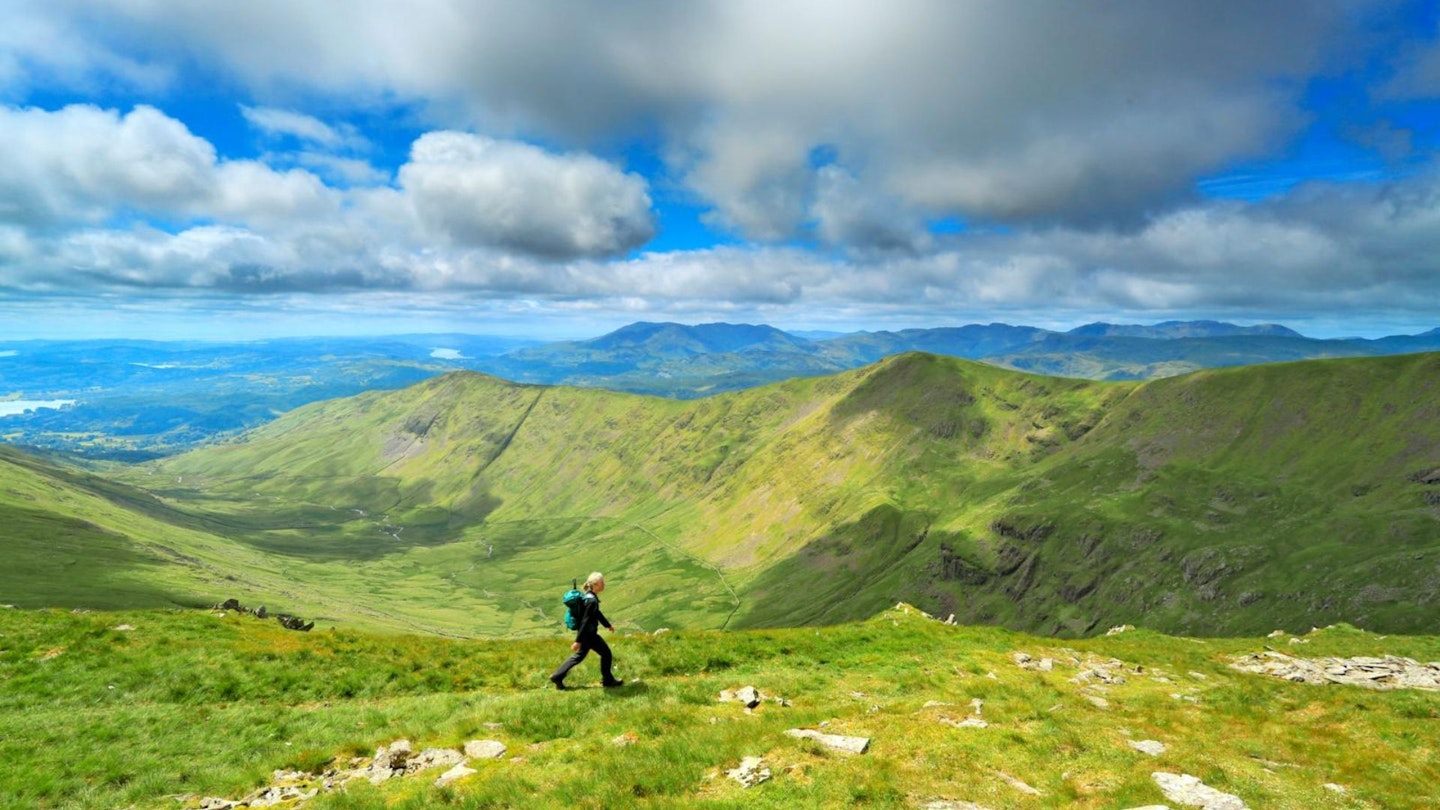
{"x": 587, "y": 635}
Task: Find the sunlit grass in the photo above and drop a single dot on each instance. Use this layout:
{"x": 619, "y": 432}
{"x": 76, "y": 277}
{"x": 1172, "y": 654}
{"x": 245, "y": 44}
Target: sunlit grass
{"x": 195, "y": 704}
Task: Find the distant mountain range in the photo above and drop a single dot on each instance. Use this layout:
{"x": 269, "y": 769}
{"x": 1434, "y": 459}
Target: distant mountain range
{"x": 138, "y": 399}
{"x": 682, "y": 361}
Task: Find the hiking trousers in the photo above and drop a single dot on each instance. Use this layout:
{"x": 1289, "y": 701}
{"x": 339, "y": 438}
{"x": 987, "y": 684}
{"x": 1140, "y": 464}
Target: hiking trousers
{"x": 588, "y": 643}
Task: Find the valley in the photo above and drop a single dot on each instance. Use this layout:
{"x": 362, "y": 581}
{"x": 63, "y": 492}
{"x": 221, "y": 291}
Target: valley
{"x": 1223, "y": 502}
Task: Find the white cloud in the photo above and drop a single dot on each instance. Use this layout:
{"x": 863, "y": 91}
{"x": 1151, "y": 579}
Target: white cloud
{"x": 281, "y": 123}
{"x": 1015, "y": 112}
{"x": 83, "y": 163}
{"x": 477, "y": 191}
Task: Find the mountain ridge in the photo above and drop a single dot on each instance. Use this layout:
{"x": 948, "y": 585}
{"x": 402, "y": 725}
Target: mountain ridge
{"x": 1214, "y": 503}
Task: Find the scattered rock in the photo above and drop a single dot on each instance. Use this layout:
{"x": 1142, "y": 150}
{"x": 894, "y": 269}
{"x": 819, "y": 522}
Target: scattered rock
{"x": 1115, "y": 631}
{"x": 1334, "y": 788}
{"x": 977, "y": 704}
{"x": 752, "y": 771}
{"x": 628, "y": 738}
{"x": 1191, "y": 792}
{"x": 948, "y": 804}
{"x": 432, "y": 758}
{"x": 1389, "y": 672}
{"x": 123, "y": 628}
{"x": 1152, "y": 747}
{"x": 854, "y": 745}
{"x": 484, "y": 749}
{"x": 294, "y": 623}
{"x": 1099, "y": 702}
{"x": 749, "y": 696}
{"x": 286, "y": 621}
{"x": 969, "y": 722}
{"x": 454, "y": 775}
{"x": 1017, "y": 784}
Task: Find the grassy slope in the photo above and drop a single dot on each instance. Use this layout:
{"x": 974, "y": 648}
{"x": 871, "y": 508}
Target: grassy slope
{"x": 1220, "y": 502}
{"x": 190, "y": 704}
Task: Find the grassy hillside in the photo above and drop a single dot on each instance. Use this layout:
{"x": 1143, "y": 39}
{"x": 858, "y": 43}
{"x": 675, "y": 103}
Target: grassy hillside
{"x": 1221, "y": 502}
{"x": 1216, "y": 503}
{"x": 161, "y": 709}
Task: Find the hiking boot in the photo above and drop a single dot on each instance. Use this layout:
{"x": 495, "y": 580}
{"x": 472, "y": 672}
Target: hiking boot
{"x": 613, "y": 684}
{"x": 559, "y": 684}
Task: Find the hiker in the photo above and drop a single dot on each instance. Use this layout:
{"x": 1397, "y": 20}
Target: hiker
{"x": 587, "y": 636}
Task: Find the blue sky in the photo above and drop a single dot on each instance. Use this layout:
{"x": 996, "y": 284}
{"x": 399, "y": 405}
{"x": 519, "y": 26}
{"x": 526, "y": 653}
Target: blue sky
{"x": 559, "y": 169}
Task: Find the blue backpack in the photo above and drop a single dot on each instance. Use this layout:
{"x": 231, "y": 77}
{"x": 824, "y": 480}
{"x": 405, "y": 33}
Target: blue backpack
{"x": 574, "y": 600}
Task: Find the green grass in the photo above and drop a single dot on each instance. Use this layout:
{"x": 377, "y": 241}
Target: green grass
{"x": 191, "y": 704}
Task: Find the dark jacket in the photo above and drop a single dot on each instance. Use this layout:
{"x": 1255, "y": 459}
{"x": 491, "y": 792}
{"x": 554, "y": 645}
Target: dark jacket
{"x": 591, "y": 618}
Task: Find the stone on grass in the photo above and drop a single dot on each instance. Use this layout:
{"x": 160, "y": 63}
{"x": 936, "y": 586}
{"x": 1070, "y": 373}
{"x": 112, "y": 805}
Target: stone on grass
{"x": 1017, "y": 784}
{"x": 1152, "y": 747}
{"x": 433, "y": 758}
{"x": 950, "y": 804}
{"x": 454, "y": 775}
{"x": 840, "y": 742}
{"x": 1191, "y": 792}
{"x": 484, "y": 749}
{"x": 751, "y": 772}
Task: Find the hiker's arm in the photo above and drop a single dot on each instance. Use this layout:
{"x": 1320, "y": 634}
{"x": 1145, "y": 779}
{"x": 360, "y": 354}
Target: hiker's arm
{"x": 604, "y": 621}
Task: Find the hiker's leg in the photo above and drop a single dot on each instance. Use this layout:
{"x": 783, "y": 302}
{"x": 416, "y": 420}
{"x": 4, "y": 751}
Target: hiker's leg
{"x": 569, "y": 664}
{"x": 605, "y": 658}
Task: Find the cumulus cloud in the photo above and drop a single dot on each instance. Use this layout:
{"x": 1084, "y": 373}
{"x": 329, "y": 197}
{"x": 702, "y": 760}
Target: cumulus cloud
{"x": 477, "y": 191}
{"x": 847, "y": 214}
{"x": 1016, "y": 112}
{"x": 84, "y": 163}
{"x": 1070, "y": 140}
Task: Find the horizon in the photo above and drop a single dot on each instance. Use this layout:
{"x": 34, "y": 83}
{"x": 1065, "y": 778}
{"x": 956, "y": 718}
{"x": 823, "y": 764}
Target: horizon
{"x": 225, "y": 337}
{"x": 200, "y": 171}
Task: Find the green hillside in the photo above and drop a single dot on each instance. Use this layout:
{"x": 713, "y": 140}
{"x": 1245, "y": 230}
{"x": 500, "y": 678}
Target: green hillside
{"x": 165, "y": 709}
{"x": 1221, "y": 502}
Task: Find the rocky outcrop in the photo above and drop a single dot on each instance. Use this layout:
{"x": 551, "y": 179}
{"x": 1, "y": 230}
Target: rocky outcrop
{"x": 394, "y": 761}
{"x": 287, "y": 621}
{"x": 1191, "y": 792}
{"x": 1389, "y": 672}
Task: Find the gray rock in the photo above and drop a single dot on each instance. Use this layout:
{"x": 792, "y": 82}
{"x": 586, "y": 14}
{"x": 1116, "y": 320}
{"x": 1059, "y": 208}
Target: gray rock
{"x": 1152, "y": 747}
{"x": 433, "y": 758}
{"x": 839, "y": 742}
{"x": 394, "y": 755}
{"x": 1191, "y": 792}
{"x": 484, "y": 749}
{"x": 751, "y": 772}
{"x": 1389, "y": 672}
{"x": 1017, "y": 784}
{"x": 454, "y": 774}
{"x": 948, "y": 804}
